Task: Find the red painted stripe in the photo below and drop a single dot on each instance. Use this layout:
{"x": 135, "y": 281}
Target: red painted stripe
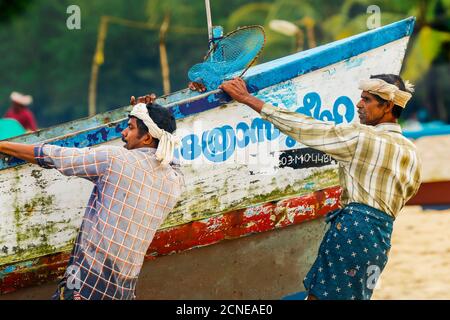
{"x": 243, "y": 222}
{"x": 432, "y": 193}
{"x": 204, "y": 232}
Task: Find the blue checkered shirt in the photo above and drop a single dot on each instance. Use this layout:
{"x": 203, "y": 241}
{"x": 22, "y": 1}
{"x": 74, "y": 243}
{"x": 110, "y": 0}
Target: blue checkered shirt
{"x": 132, "y": 195}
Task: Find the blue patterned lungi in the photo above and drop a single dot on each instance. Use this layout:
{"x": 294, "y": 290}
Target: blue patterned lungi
{"x": 352, "y": 255}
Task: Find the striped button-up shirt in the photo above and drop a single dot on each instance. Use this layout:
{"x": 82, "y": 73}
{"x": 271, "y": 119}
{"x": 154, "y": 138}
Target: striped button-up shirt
{"x": 378, "y": 166}
{"x": 132, "y": 196}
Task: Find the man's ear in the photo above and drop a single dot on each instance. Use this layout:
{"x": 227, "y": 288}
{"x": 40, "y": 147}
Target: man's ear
{"x": 389, "y": 107}
{"x": 148, "y": 139}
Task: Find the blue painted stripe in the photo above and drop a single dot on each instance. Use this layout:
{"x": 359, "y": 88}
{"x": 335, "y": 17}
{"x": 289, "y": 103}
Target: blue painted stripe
{"x": 68, "y": 128}
{"x": 434, "y": 207}
{"x": 186, "y": 103}
{"x": 296, "y": 296}
{"x": 438, "y": 131}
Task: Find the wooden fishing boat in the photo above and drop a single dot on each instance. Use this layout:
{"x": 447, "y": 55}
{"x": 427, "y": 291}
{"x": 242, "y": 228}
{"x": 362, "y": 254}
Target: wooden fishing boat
{"x": 433, "y": 145}
{"x": 243, "y": 177}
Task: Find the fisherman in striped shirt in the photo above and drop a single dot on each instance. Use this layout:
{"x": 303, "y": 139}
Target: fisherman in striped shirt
{"x": 379, "y": 172}
{"x": 134, "y": 190}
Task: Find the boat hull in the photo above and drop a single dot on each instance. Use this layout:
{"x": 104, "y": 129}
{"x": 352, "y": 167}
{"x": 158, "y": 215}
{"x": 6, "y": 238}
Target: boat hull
{"x": 242, "y": 175}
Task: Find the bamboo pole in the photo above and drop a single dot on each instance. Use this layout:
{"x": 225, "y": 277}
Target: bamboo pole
{"x": 99, "y": 57}
{"x": 165, "y": 71}
{"x": 97, "y": 60}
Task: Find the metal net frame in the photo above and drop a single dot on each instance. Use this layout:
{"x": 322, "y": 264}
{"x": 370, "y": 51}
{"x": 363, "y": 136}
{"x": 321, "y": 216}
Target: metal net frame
{"x": 234, "y": 53}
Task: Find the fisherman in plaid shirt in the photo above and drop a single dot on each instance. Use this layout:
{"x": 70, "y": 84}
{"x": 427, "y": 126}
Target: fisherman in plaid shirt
{"x": 134, "y": 189}
{"x": 379, "y": 171}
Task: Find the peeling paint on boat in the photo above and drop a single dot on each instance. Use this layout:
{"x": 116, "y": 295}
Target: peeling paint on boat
{"x": 234, "y": 224}
{"x": 234, "y": 192}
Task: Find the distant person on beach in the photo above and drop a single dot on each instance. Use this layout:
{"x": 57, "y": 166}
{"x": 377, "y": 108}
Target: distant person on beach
{"x": 135, "y": 188}
{"x": 19, "y": 110}
{"x": 379, "y": 172}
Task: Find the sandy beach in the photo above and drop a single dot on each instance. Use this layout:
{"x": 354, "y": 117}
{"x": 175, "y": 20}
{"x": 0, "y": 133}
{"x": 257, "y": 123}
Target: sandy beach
{"x": 434, "y": 153}
{"x": 419, "y": 261}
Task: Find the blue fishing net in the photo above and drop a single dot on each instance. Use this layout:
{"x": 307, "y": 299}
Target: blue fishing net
{"x": 234, "y": 52}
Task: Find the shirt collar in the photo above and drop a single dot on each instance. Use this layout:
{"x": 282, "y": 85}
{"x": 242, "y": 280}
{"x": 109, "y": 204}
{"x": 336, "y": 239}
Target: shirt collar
{"x": 389, "y": 126}
{"x": 147, "y": 150}
{"x": 174, "y": 161}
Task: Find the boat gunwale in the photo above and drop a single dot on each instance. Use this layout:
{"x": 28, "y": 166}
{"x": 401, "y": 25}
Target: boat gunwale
{"x": 258, "y": 77}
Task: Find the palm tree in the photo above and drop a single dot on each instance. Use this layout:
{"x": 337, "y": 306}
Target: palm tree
{"x": 303, "y": 14}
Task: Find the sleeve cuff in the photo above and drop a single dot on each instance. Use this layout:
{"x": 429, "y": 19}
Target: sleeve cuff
{"x": 39, "y": 155}
{"x": 267, "y": 110}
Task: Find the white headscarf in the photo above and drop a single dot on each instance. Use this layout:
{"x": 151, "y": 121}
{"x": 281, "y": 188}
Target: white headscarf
{"x": 167, "y": 141}
{"x": 387, "y": 91}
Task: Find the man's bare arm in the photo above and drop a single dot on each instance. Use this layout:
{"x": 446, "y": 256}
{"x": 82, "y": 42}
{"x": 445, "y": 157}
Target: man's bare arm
{"x": 237, "y": 89}
{"x": 18, "y": 150}
{"x": 26, "y": 151}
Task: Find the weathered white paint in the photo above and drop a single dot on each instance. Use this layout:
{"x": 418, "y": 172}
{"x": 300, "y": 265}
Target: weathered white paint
{"x": 41, "y": 210}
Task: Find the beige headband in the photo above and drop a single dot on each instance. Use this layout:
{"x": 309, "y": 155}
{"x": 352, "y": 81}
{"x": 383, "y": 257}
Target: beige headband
{"x": 167, "y": 142}
{"x": 387, "y": 91}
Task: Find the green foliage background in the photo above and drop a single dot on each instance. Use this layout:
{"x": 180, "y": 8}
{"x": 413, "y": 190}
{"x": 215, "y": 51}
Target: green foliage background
{"x": 41, "y": 57}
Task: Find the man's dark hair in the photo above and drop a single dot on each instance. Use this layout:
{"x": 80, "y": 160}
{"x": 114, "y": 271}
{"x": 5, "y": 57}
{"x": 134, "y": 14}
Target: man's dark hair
{"x": 162, "y": 117}
{"x": 395, "y": 80}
